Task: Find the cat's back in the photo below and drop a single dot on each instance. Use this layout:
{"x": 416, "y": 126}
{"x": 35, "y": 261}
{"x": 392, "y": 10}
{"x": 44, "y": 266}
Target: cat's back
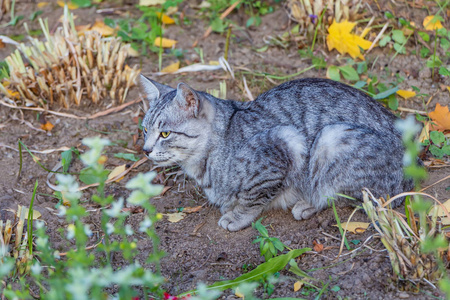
{"x": 313, "y": 103}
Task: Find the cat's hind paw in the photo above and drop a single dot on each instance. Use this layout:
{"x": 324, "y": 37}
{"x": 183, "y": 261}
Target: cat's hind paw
{"x": 230, "y": 222}
{"x": 303, "y": 210}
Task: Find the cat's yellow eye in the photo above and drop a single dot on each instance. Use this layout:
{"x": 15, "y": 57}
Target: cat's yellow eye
{"x": 145, "y": 130}
{"x": 165, "y": 134}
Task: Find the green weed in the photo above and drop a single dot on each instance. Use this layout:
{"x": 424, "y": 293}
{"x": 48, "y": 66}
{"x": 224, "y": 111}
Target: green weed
{"x": 268, "y": 246}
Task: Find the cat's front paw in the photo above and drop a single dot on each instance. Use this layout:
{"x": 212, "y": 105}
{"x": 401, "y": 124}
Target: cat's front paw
{"x": 229, "y": 222}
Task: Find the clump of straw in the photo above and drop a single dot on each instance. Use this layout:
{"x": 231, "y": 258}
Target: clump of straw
{"x": 67, "y": 68}
{"x": 405, "y": 236}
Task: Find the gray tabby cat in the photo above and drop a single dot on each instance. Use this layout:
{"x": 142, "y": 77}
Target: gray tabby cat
{"x": 293, "y": 147}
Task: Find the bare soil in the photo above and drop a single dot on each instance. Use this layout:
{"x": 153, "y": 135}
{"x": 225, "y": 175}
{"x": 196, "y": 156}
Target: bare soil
{"x": 197, "y": 249}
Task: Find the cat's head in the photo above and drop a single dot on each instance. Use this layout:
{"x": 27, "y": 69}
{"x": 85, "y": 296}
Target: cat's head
{"x": 177, "y": 125}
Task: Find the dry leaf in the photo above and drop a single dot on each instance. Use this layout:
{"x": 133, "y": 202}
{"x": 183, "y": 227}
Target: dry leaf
{"x": 175, "y": 217}
{"x": 355, "y": 227}
{"x": 448, "y": 88}
{"x": 42, "y": 4}
{"x": 406, "y": 94}
{"x": 440, "y": 116}
{"x": 47, "y": 126}
{"x": 441, "y": 211}
{"x": 117, "y": 171}
{"x": 238, "y": 293}
{"x": 132, "y": 52}
{"x": 317, "y": 247}
{"x": 13, "y": 94}
{"x": 166, "y": 43}
{"x": 70, "y": 5}
{"x": 425, "y": 133}
{"x": 297, "y": 285}
{"x": 66, "y": 202}
{"x": 165, "y": 19}
{"x": 172, "y": 67}
{"x": 189, "y": 210}
{"x": 102, "y": 159}
{"x": 428, "y": 24}
{"x": 151, "y": 2}
{"x": 20, "y": 208}
{"x": 102, "y": 28}
{"x": 342, "y": 40}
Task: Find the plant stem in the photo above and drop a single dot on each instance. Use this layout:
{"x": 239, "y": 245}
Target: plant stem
{"x": 30, "y": 220}
{"x": 227, "y": 43}
{"x": 434, "y": 54}
{"x": 317, "y": 28}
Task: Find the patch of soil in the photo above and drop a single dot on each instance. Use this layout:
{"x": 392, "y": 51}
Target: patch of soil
{"x": 197, "y": 249}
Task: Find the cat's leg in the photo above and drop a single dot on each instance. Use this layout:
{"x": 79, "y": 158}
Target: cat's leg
{"x": 345, "y": 158}
{"x": 262, "y": 167}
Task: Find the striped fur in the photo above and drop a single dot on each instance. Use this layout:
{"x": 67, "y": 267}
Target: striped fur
{"x": 293, "y": 147}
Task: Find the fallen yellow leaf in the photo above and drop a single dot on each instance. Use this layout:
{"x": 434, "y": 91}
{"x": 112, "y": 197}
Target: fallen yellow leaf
{"x": 165, "y": 19}
{"x": 425, "y": 133}
{"x": 116, "y": 171}
{"x": 70, "y": 5}
{"x": 189, "y": 210}
{"x": 448, "y": 88}
{"x": 42, "y": 4}
{"x": 440, "y": 116}
{"x": 297, "y": 285}
{"x": 132, "y": 52}
{"x": 238, "y": 293}
{"x": 440, "y": 210}
{"x": 166, "y": 43}
{"x": 175, "y": 217}
{"x": 171, "y": 68}
{"x": 24, "y": 210}
{"x": 13, "y": 94}
{"x": 102, "y": 28}
{"x": 102, "y": 159}
{"x": 343, "y": 41}
{"x": 151, "y": 2}
{"x": 47, "y": 126}
{"x": 406, "y": 94}
{"x": 355, "y": 227}
{"x": 66, "y": 202}
{"x": 430, "y": 24}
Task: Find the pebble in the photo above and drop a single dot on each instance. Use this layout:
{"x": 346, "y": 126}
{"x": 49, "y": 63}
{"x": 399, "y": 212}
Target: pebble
{"x": 403, "y": 295}
{"x": 425, "y": 73}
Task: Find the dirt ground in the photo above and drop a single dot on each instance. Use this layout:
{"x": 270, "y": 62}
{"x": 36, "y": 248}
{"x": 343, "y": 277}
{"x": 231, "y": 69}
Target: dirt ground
{"x": 197, "y": 249}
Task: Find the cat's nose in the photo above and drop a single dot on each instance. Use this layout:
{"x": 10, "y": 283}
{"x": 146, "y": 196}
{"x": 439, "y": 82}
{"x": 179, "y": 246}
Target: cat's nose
{"x": 147, "y": 151}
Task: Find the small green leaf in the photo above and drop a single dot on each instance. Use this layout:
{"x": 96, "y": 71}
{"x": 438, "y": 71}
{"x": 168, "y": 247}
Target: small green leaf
{"x": 217, "y": 25}
{"x": 444, "y": 71}
{"x": 436, "y": 151}
{"x": 389, "y": 15}
{"x": 333, "y": 73}
{"x": 392, "y": 102}
{"x": 355, "y": 242}
{"x": 398, "y": 36}
{"x": 66, "y": 159}
{"x": 386, "y": 39}
{"x": 335, "y": 288}
{"x": 386, "y": 93}
{"x": 399, "y": 48}
{"x": 349, "y": 73}
{"x": 437, "y": 137}
{"x": 424, "y": 36}
{"x": 82, "y": 3}
{"x": 35, "y": 14}
{"x": 127, "y": 156}
{"x": 432, "y": 244}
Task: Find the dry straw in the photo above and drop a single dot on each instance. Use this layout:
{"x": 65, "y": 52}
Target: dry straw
{"x": 307, "y": 12}
{"x": 403, "y": 238}
{"x": 68, "y": 67}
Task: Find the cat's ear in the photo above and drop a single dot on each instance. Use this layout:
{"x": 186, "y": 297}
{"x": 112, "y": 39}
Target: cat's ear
{"x": 152, "y": 90}
{"x": 188, "y": 98}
